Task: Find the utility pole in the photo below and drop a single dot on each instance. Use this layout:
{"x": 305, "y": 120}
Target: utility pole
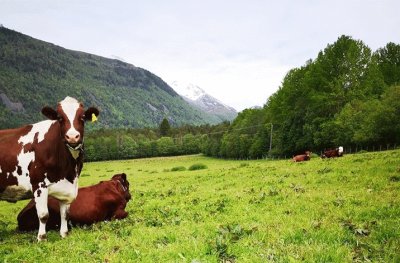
{"x": 270, "y": 139}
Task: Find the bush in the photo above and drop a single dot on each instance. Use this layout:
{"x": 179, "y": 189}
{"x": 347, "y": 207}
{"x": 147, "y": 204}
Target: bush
{"x": 197, "y": 166}
{"x": 178, "y": 168}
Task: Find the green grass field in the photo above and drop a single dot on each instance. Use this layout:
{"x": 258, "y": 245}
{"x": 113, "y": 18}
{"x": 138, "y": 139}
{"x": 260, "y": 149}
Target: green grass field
{"x": 339, "y": 210}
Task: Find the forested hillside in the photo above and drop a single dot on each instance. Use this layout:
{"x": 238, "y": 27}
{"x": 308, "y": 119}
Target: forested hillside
{"x": 34, "y": 73}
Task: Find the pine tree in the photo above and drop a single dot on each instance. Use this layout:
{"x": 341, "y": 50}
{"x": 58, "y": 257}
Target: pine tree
{"x": 164, "y": 127}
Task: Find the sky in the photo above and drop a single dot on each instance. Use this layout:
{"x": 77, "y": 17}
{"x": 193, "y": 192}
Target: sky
{"x": 237, "y": 51}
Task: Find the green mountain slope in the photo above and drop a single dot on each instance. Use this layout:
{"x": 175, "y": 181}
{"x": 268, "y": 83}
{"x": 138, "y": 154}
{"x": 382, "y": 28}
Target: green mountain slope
{"x": 35, "y": 73}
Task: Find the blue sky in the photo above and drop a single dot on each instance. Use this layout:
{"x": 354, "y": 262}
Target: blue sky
{"x": 237, "y": 51}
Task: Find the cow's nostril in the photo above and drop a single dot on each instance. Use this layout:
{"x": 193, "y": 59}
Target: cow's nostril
{"x": 67, "y": 137}
{"x": 77, "y": 136}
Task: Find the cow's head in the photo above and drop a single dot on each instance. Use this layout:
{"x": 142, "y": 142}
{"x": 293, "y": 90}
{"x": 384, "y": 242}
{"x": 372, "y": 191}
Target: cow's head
{"x": 121, "y": 178}
{"x": 71, "y": 116}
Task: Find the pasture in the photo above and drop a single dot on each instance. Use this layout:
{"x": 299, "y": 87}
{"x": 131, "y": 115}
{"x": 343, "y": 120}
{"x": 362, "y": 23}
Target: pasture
{"x": 334, "y": 210}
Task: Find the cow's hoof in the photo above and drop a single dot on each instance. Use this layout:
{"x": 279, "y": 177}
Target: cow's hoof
{"x": 41, "y": 238}
{"x": 64, "y": 234}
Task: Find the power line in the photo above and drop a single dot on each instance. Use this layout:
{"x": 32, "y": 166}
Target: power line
{"x": 237, "y": 129}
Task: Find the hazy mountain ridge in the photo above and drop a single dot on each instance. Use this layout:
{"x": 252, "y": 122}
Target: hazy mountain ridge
{"x": 34, "y": 73}
{"x": 199, "y": 98}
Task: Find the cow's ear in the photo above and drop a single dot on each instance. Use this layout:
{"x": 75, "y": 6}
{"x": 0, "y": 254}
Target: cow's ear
{"x": 50, "y": 113}
{"x": 89, "y": 112}
{"x": 123, "y": 175}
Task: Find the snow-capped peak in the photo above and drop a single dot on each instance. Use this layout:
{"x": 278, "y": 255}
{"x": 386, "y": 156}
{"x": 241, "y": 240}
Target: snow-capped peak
{"x": 200, "y": 99}
{"x": 188, "y": 90}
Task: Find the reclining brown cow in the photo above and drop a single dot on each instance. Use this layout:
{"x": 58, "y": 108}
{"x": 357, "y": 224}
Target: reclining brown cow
{"x": 103, "y": 201}
{"x": 302, "y": 157}
{"x": 331, "y": 153}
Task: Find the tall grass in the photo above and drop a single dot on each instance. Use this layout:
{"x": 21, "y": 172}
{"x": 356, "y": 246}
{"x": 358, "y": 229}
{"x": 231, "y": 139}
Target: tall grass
{"x": 333, "y": 210}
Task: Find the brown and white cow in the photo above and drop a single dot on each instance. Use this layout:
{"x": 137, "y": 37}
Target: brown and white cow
{"x": 104, "y": 201}
{"x": 302, "y": 157}
{"x": 331, "y": 153}
{"x": 45, "y": 159}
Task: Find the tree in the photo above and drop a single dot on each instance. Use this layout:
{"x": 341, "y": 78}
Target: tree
{"x": 388, "y": 59}
{"x": 191, "y": 144}
{"x": 164, "y": 127}
{"x": 128, "y": 147}
{"x": 242, "y": 134}
{"x": 370, "y": 122}
{"x": 387, "y": 125}
{"x": 166, "y": 146}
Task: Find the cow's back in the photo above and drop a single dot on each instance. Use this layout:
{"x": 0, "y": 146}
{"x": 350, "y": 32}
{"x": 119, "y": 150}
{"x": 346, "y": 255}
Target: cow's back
{"x": 96, "y": 203}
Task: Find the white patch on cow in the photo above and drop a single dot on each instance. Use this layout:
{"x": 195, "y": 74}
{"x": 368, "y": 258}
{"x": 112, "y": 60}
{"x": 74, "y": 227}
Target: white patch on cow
{"x": 63, "y": 215}
{"x": 340, "y": 150}
{"x": 0, "y": 169}
{"x": 24, "y": 159}
{"x": 24, "y": 186}
{"x": 42, "y": 210}
{"x": 40, "y": 128}
{"x": 70, "y": 106}
{"x": 64, "y": 190}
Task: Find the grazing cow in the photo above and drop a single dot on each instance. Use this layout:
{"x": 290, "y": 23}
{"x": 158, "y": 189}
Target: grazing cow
{"x": 103, "y": 201}
{"x": 302, "y": 157}
{"x": 45, "y": 159}
{"x": 338, "y": 152}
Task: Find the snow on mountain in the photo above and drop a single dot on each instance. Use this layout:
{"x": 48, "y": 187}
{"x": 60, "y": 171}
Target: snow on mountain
{"x": 188, "y": 90}
{"x": 199, "y": 98}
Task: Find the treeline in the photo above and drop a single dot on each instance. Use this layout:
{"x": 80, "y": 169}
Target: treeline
{"x": 348, "y": 96}
{"x": 118, "y": 144}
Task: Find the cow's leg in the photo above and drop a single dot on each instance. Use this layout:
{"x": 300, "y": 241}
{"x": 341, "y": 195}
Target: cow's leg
{"x": 41, "y": 195}
{"x": 64, "y": 209}
{"x": 120, "y": 213}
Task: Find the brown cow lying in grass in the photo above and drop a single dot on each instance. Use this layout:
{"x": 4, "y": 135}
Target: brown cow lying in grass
{"x": 103, "y": 201}
{"x": 302, "y": 157}
{"x": 331, "y": 153}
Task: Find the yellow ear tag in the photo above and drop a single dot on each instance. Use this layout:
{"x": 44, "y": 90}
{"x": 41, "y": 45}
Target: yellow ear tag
{"x": 94, "y": 118}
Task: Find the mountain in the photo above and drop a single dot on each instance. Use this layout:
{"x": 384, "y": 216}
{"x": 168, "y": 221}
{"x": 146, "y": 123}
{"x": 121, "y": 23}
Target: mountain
{"x": 199, "y": 98}
{"x": 34, "y": 73}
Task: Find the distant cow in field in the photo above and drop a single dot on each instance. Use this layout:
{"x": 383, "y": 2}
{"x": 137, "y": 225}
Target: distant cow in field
{"x": 338, "y": 152}
{"x": 302, "y": 157}
{"x": 103, "y": 201}
{"x": 45, "y": 159}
